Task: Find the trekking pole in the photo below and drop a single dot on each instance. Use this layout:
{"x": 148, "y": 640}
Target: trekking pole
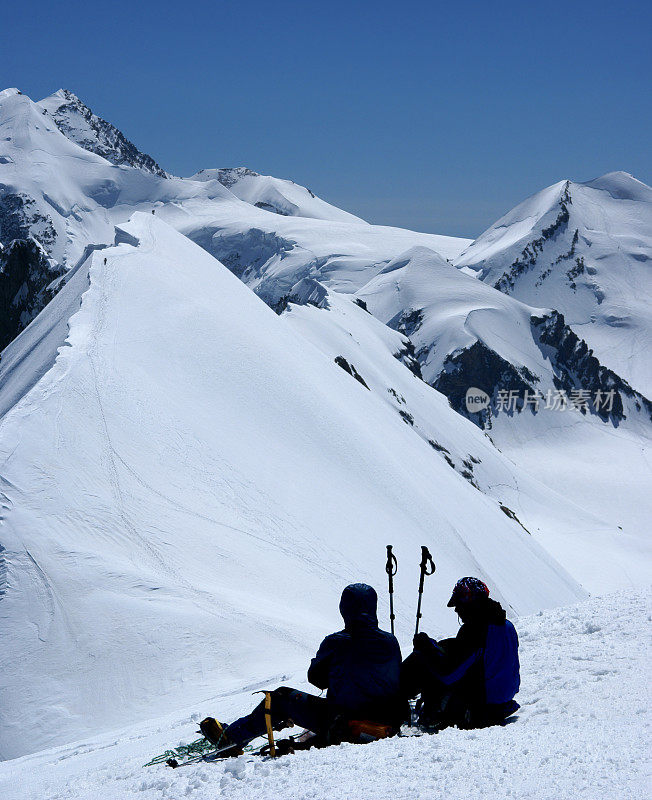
{"x": 391, "y": 569}
{"x": 427, "y": 568}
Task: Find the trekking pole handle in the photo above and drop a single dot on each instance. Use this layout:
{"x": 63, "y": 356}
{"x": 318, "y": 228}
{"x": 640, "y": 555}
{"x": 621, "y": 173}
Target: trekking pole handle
{"x": 427, "y": 567}
{"x": 427, "y": 564}
{"x": 391, "y": 567}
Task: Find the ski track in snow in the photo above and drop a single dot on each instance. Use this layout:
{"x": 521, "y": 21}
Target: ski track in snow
{"x": 582, "y": 732}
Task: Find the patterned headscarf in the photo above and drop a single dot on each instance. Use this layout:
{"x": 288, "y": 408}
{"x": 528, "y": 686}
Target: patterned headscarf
{"x": 466, "y": 590}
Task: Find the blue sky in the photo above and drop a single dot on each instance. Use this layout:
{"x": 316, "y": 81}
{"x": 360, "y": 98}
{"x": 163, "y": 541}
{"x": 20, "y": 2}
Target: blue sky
{"x": 435, "y": 116}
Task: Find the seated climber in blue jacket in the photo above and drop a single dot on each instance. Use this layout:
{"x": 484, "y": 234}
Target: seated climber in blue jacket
{"x": 469, "y": 681}
{"x": 360, "y": 669}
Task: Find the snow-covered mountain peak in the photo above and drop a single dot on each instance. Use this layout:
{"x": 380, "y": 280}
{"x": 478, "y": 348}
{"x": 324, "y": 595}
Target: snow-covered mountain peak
{"x": 9, "y": 92}
{"x": 585, "y": 250}
{"x": 76, "y": 121}
{"x": 622, "y": 186}
{"x": 283, "y": 197}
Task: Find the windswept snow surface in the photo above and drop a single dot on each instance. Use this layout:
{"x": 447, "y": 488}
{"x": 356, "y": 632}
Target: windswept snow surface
{"x": 189, "y": 487}
{"x": 583, "y": 731}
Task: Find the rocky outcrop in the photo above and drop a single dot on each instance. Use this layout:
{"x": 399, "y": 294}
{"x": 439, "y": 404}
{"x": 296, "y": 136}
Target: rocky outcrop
{"x": 20, "y": 219}
{"x": 484, "y": 369}
{"x": 532, "y": 250}
{"x": 26, "y": 277}
{"x": 407, "y": 356}
{"x": 79, "y": 124}
{"x": 353, "y": 372}
{"x": 407, "y": 322}
{"x": 307, "y": 292}
{"x": 576, "y": 368}
{"x": 580, "y": 380}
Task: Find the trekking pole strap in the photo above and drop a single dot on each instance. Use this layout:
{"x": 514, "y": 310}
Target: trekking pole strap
{"x": 268, "y": 724}
{"x": 427, "y": 564}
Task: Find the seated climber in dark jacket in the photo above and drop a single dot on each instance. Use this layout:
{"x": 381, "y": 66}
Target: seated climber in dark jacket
{"x": 359, "y": 667}
{"x": 471, "y": 680}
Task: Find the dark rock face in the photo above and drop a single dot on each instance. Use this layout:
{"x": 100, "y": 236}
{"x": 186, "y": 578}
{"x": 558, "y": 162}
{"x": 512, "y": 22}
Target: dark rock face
{"x": 533, "y": 249}
{"x": 481, "y": 367}
{"x": 508, "y": 511}
{"x": 229, "y": 176}
{"x": 19, "y": 219}
{"x": 586, "y": 384}
{"x": 26, "y": 276}
{"x": 407, "y": 356}
{"x": 103, "y": 138}
{"x": 576, "y": 368}
{"x": 342, "y": 362}
{"x": 274, "y": 209}
{"x": 407, "y": 322}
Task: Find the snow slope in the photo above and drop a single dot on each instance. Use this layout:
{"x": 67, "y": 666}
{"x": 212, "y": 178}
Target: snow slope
{"x": 184, "y": 455}
{"x": 582, "y": 732}
{"x": 584, "y": 249}
{"x": 571, "y": 504}
{"x": 447, "y": 314}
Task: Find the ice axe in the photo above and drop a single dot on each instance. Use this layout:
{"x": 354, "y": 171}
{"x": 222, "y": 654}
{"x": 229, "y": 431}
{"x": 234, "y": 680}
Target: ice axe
{"x": 427, "y": 568}
{"x": 391, "y": 569}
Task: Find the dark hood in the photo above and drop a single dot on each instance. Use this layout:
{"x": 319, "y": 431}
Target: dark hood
{"x": 358, "y": 605}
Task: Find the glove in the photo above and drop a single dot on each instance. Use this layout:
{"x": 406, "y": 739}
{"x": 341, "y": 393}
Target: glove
{"x": 422, "y": 643}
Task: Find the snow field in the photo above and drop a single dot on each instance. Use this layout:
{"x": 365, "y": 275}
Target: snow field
{"x": 583, "y": 731}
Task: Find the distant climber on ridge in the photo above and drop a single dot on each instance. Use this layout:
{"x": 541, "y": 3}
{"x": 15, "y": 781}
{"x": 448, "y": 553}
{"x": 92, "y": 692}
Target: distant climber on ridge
{"x": 470, "y": 680}
{"x": 360, "y": 669}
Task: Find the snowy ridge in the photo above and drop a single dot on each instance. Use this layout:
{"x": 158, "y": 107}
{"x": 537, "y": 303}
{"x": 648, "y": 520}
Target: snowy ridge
{"x": 466, "y": 333}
